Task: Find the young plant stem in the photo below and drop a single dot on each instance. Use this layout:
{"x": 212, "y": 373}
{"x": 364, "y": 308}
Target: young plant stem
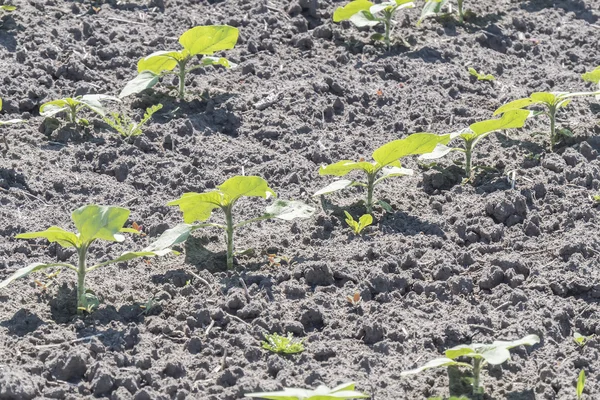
{"x": 477, "y": 364}
{"x": 552, "y": 116}
{"x": 182, "y": 73}
{"x": 388, "y": 28}
{"x": 468, "y": 157}
{"x": 461, "y": 15}
{"x": 73, "y": 113}
{"x": 370, "y": 187}
{"x": 81, "y": 300}
{"x": 229, "y": 231}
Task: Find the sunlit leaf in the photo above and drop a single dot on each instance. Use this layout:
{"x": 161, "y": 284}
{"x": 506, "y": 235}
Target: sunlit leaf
{"x": 143, "y": 81}
{"x": 289, "y": 210}
{"x": 335, "y": 186}
{"x": 417, "y": 143}
{"x": 23, "y": 272}
{"x": 100, "y": 222}
{"x": 435, "y": 363}
{"x": 160, "y": 61}
{"x": 343, "y": 167}
{"x": 209, "y": 39}
{"x": 344, "y": 13}
{"x": 53, "y": 234}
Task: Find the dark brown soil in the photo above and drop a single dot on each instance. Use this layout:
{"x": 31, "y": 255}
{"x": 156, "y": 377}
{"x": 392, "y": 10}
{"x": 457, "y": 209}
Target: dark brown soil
{"x": 453, "y": 264}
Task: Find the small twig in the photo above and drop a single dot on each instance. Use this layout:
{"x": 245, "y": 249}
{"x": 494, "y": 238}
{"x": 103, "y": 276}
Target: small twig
{"x": 212, "y": 323}
{"x": 508, "y": 303}
{"x": 481, "y": 327}
{"x": 47, "y": 346}
{"x": 238, "y": 319}
{"x": 248, "y": 298}
{"x": 202, "y": 280}
{"x": 224, "y": 360}
{"x": 126, "y": 21}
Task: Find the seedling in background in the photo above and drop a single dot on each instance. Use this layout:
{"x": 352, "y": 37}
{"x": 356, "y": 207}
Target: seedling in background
{"x": 476, "y": 132}
{"x": 581, "y": 340}
{"x": 480, "y": 355}
{"x": 277, "y": 261}
{"x": 480, "y": 77}
{"x": 434, "y": 8}
{"x": 580, "y": 384}
{"x": 344, "y": 391}
{"x": 552, "y": 102}
{"x": 93, "y": 223}
{"x": 201, "y": 40}
{"x": 595, "y": 198}
{"x": 199, "y": 207}
{"x": 387, "y": 161}
{"x": 123, "y": 124}
{"x": 72, "y": 107}
{"x": 592, "y": 76}
{"x": 354, "y": 300}
{"x": 364, "y": 13}
{"x": 283, "y": 344}
{"x": 8, "y": 122}
{"x": 8, "y": 8}
{"x": 358, "y": 226}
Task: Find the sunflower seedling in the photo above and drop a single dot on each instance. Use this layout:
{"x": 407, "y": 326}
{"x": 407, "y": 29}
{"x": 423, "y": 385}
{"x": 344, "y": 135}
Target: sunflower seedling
{"x": 434, "y": 8}
{"x": 582, "y": 340}
{"x": 199, "y": 207}
{"x": 477, "y": 131}
{"x": 283, "y": 344}
{"x": 552, "y": 102}
{"x": 480, "y": 355}
{"x": 358, "y": 226}
{"x": 344, "y": 391}
{"x": 93, "y": 223}
{"x": 580, "y": 384}
{"x": 365, "y": 13}
{"x": 387, "y": 162}
{"x": 592, "y": 76}
{"x": 200, "y": 40}
{"x": 123, "y": 124}
{"x": 72, "y": 106}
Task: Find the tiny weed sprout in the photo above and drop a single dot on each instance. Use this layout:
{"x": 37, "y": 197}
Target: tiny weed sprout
{"x": 283, "y": 344}
{"x": 364, "y": 13}
{"x": 354, "y": 300}
{"x": 480, "y": 355}
{"x": 592, "y": 76}
{"x": 551, "y": 102}
{"x": 72, "y": 106}
{"x": 200, "y": 40}
{"x": 279, "y": 260}
{"x": 387, "y": 161}
{"x": 8, "y": 8}
{"x": 595, "y": 198}
{"x": 93, "y": 223}
{"x": 434, "y": 7}
{"x": 581, "y": 340}
{"x": 123, "y": 124}
{"x": 358, "y": 226}
{"x": 481, "y": 77}
{"x": 199, "y": 207}
{"x": 580, "y": 384}
{"x": 344, "y": 391}
{"x": 477, "y": 131}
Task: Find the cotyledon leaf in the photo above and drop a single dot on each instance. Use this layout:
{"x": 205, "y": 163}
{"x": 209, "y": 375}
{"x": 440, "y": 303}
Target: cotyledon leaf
{"x": 347, "y": 11}
{"x": 53, "y": 234}
{"x": 209, "y": 39}
{"x": 144, "y": 80}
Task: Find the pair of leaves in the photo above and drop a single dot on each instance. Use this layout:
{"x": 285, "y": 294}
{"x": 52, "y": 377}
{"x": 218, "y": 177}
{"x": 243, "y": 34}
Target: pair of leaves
{"x": 481, "y": 77}
{"x": 386, "y": 160}
{"x": 549, "y": 99}
{"x": 431, "y": 8}
{"x": 91, "y": 101}
{"x": 496, "y": 353}
{"x": 344, "y": 391}
{"x": 592, "y": 76}
{"x": 358, "y": 226}
{"x": 200, "y": 40}
{"x": 479, "y": 130}
{"x": 365, "y": 13}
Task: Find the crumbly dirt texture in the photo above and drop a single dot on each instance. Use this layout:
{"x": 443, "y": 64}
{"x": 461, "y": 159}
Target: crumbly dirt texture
{"x": 453, "y": 264}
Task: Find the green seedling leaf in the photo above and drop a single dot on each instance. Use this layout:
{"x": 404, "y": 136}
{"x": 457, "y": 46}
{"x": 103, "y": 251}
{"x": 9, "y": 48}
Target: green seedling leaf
{"x": 435, "y": 363}
{"x": 335, "y": 186}
{"x": 23, "y": 272}
{"x": 54, "y": 234}
{"x": 218, "y": 61}
{"x": 415, "y": 144}
{"x": 199, "y": 207}
{"x": 581, "y": 340}
{"x": 358, "y": 226}
{"x": 592, "y": 76}
{"x": 344, "y": 13}
{"x": 431, "y": 8}
{"x": 509, "y": 120}
{"x": 209, "y": 39}
{"x": 8, "y": 8}
{"x": 481, "y": 77}
{"x": 73, "y": 105}
{"x": 386, "y": 206}
{"x": 283, "y": 344}
{"x": 100, "y": 222}
{"x": 580, "y": 384}
{"x": 145, "y": 80}
{"x": 160, "y": 61}
{"x": 123, "y": 124}
{"x": 345, "y": 391}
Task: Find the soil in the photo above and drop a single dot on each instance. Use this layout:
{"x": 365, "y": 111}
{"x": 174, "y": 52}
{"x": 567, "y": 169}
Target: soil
{"x": 453, "y": 264}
